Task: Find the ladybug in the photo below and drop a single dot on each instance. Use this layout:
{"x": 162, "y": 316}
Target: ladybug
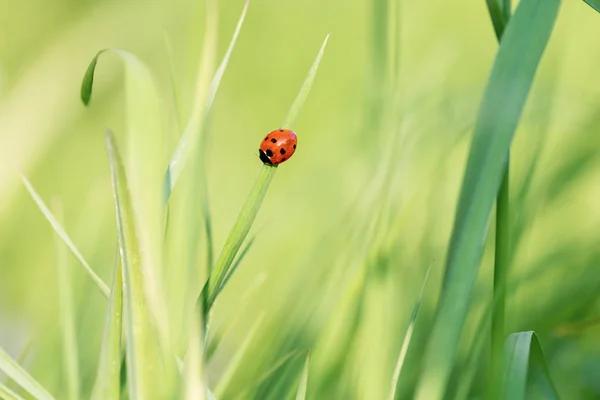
{"x": 278, "y": 146}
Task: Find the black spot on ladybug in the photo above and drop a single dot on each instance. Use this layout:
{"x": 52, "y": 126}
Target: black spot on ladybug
{"x": 273, "y": 140}
{"x": 269, "y": 153}
{"x": 280, "y": 130}
{"x": 294, "y": 146}
{"x": 283, "y": 159}
{"x": 263, "y": 157}
{"x": 282, "y": 151}
{"x": 266, "y": 138}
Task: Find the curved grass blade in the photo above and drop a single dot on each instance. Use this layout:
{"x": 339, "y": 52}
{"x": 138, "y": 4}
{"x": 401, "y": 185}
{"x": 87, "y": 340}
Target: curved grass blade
{"x": 525, "y": 360}
{"x": 202, "y": 105}
{"x": 521, "y": 49}
{"x": 15, "y": 372}
{"x": 595, "y": 4}
{"x": 294, "y": 111}
{"x": 107, "y": 385}
{"x": 65, "y": 292}
{"x": 252, "y": 205}
{"x": 301, "y": 393}
{"x": 407, "y": 339}
{"x": 64, "y": 236}
{"x": 144, "y": 376}
{"x": 7, "y": 394}
{"x": 237, "y": 359}
{"x": 143, "y": 168}
{"x": 236, "y": 263}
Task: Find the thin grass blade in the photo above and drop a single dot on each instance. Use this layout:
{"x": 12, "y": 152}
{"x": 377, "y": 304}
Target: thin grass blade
{"x": 524, "y": 360}
{"x": 595, "y": 4}
{"x": 203, "y": 102}
{"x": 407, "y": 339}
{"x": 520, "y": 52}
{"x": 7, "y": 394}
{"x": 145, "y": 378}
{"x": 294, "y": 111}
{"x": 67, "y": 318}
{"x": 301, "y": 393}
{"x": 237, "y": 359}
{"x": 236, "y": 263}
{"x": 21, "y": 377}
{"x": 252, "y": 205}
{"x": 60, "y": 231}
{"x": 107, "y": 385}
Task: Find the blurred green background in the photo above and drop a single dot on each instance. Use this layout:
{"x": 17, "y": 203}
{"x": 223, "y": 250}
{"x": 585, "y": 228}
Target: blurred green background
{"x": 351, "y": 224}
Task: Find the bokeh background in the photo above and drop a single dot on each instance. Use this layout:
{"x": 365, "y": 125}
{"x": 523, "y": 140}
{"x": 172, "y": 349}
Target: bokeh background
{"x": 350, "y": 225}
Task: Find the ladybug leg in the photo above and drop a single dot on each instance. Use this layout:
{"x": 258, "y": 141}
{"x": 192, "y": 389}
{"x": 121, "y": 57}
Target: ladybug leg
{"x": 264, "y": 158}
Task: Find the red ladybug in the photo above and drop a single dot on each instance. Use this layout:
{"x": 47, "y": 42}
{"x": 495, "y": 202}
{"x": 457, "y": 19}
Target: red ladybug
{"x": 278, "y": 146}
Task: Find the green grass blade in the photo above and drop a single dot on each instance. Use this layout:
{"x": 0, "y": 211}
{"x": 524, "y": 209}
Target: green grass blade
{"x": 7, "y": 394}
{"x": 499, "y": 12}
{"x": 252, "y": 205}
{"x": 294, "y": 111}
{"x": 301, "y": 393}
{"x": 64, "y": 236}
{"x": 524, "y": 360}
{"x": 194, "y": 382}
{"x": 173, "y": 81}
{"x": 595, "y": 4}
{"x": 144, "y": 376}
{"x": 15, "y": 372}
{"x": 203, "y": 104}
{"x": 407, "y": 339}
{"x": 238, "y": 234}
{"x": 236, "y": 264}
{"x": 237, "y": 359}
{"x": 521, "y": 49}
{"x": 107, "y": 385}
{"x": 67, "y": 318}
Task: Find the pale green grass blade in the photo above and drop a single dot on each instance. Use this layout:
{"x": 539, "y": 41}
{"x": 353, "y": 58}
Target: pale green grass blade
{"x": 294, "y": 111}
{"x": 64, "y": 236}
{"x": 173, "y": 81}
{"x": 15, "y": 372}
{"x": 407, "y": 339}
{"x": 144, "y": 376}
{"x": 301, "y": 393}
{"x": 194, "y": 382}
{"x": 524, "y": 361}
{"x": 67, "y": 318}
{"x": 107, "y": 384}
{"x": 143, "y": 166}
{"x": 237, "y": 235}
{"x": 236, "y": 264}
{"x": 595, "y": 4}
{"x": 202, "y": 106}
{"x": 521, "y": 49}
{"x": 7, "y": 394}
{"x": 237, "y": 359}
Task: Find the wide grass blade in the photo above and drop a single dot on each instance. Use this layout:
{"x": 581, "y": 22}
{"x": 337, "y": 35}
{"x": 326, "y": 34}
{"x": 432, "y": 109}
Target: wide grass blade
{"x": 294, "y": 111}
{"x": 144, "y": 376}
{"x": 407, "y": 339}
{"x": 595, "y": 4}
{"x": 524, "y": 361}
{"x": 64, "y": 236}
{"x": 143, "y": 166}
{"x": 250, "y": 209}
{"x": 237, "y": 359}
{"x": 301, "y": 393}
{"x": 67, "y": 318}
{"x": 7, "y": 394}
{"x": 521, "y": 49}
{"x": 15, "y": 372}
{"x": 202, "y": 105}
{"x": 107, "y": 385}
{"x": 194, "y": 382}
